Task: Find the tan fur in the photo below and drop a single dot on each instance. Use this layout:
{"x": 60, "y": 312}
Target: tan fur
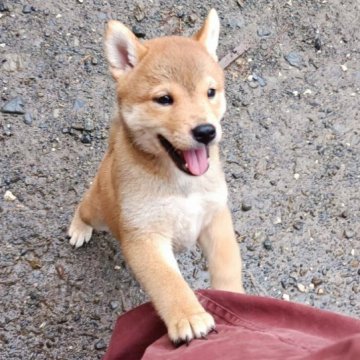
{"x": 141, "y": 196}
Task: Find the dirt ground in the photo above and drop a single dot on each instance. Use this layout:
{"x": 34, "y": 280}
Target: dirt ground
{"x": 291, "y": 153}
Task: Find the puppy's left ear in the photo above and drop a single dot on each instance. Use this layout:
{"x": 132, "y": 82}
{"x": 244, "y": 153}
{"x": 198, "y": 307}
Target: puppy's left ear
{"x": 208, "y": 35}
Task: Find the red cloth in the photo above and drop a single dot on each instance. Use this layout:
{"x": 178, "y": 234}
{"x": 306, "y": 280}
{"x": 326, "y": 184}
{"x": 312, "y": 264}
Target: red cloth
{"x": 250, "y": 328}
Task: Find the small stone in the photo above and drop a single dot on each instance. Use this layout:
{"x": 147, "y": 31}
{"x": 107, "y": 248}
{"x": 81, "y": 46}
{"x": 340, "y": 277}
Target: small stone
{"x": 27, "y": 9}
{"x": 294, "y": 59}
{"x": 286, "y": 297}
{"x": 301, "y": 287}
{"x": 94, "y": 60}
{"x": 56, "y": 113}
{"x": 180, "y": 14}
{"x": 344, "y": 68}
{"x": 13, "y": 62}
{"x": 253, "y": 84}
{"x": 100, "y": 345}
{"x": 14, "y": 106}
{"x": 349, "y": 233}
{"x": 28, "y": 119}
{"x": 85, "y": 139}
{"x": 259, "y": 79}
{"x": 78, "y": 126}
{"x": 298, "y": 225}
{"x": 277, "y": 220}
{"x": 138, "y": 31}
{"x": 320, "y": 291}
{"x": 9, "y": 196}
{"x": 3, "y": 7}
{"x": 317, "y": 43}
{"x": 263, "y": 32}
{"x": 316, "y": 281}
{"x": 89, "y": 125}
{"x": 80, "y": 1}
{"x": 114, "y": 305}
{"x": 192, "y": 18}
{"x": 246, "y": 205}
{"x": 35, "y": 264}
{"x": 7, "y": 130}
{"x": 345, "y": 214}
{"x": 267, "y": 244}
{"x": 78, "y": 104}
{"x": 139, "y": 12}
{"x": 296, "y": 176}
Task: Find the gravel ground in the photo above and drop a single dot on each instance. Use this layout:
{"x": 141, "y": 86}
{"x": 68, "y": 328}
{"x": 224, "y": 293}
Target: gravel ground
{"x": 291, "y": 154}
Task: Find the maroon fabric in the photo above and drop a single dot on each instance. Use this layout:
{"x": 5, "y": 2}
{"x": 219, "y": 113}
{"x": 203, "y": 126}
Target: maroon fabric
{"x": 249, "y": 328}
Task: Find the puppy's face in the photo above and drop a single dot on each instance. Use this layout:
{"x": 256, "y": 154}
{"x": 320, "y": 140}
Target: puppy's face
{"x": 171, "y": 93}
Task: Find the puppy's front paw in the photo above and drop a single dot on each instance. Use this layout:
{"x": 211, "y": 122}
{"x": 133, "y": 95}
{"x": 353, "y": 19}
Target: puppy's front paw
{"x": 79, "y": 232}
{"x": 193, "y": 326}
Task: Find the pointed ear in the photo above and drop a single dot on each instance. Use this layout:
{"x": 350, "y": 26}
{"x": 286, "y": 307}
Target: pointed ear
{"x": 208, "y": 35}
{"x": 123, "y": 49}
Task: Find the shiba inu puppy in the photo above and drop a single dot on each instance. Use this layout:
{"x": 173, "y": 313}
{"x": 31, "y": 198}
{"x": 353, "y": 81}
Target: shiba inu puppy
{"x": 160, "y": 186}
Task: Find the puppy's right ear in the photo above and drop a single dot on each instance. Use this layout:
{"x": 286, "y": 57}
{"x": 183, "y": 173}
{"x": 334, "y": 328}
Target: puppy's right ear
{"x": 123, "y": 49}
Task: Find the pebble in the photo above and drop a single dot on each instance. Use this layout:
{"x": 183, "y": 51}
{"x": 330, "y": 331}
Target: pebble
{"x": 3, "y": 7}
{"x": 85, "y": 139}
{"x": 267, "y": 244}
{"x": 89, "y": 125}
{"x": 277, "y": 220}
{"x": 320, "y": 291}
{"x": 14, "y": 106}
{"x": 28, "y": 119}
{"x": 27, "y": 9}
{"x": 100, "y": 345}
{"x": 316, "y": 281}
{"x": 7, "y": 130}
{"x": 114, "y": 305}
{"x": 78, "y": 104}
{"x": 138, "y": 31}
{"x": 298, "y": 225}
{"x": 9, "y": 196}
{"x": 94, "y": 61}
{"x": 246, "y": 205}
{"x": 345, "y": 214}
{"x": 13, "y": 62}
{"x": 344, "y": 68}
{"x": 317, "y": 44}
{"x": 296, "y": 176}
{"x": 349, "y": 233}
{"x": 259, "y": 79}
{"x": 253, "y": 84}
{"x": 263, "y": 32}
{"x": 139, "y": 12}
{"x": 286, "y": 297}
{"x": 294, "y": 59}
{"x": 192, "y": 18}
{"x": 301, "y": 287}
{"x": 56, "y": 113}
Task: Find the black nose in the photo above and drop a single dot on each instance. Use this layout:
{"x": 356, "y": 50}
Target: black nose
{"x": 204, "y": 133}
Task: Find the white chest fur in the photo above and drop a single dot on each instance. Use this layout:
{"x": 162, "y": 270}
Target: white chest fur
{"x": 179, "y": 215}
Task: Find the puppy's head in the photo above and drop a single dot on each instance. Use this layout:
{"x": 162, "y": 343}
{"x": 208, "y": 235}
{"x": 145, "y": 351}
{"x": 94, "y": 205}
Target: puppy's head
{"x": 170, "y": 92}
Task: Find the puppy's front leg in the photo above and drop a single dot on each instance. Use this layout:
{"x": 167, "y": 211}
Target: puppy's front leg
{"x": 153, "y": 262}
{"x": 222, "y": 251}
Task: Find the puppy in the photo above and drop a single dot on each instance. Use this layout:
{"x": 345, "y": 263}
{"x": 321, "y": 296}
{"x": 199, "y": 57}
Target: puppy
{"x": 160, "y": 186}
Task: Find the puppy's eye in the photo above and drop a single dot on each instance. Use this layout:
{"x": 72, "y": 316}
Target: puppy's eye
{"x": 211, "y": 93}
{"x": 164, "y": 100}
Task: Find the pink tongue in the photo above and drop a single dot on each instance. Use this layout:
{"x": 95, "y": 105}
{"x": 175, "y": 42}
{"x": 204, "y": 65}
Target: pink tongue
{"x": 196, "y": 160}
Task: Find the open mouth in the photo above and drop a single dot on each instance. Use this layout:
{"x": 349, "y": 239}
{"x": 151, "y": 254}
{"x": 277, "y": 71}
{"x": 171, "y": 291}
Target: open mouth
{"x": 193, "y": 162}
